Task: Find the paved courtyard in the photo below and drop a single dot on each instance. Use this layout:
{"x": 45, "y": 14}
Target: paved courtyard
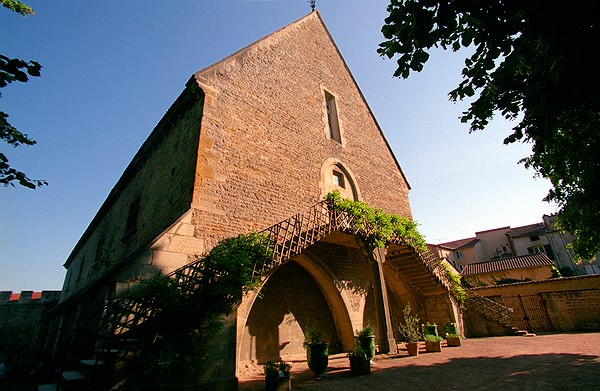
{"x": 543, "y": 362}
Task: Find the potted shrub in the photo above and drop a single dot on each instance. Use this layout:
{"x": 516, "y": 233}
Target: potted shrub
{"x": 453, "y": 340}
{"x": 277, "y": 376}
{"x": 430, "y": 329}
{"x": 317, "y": 353}
{"x": 433, "y": 343}
{"x": 452, "y": 336}
{"x": 360, "y": 363}
{"x": 410, "y": 332}
{"x": 366, "y": 340}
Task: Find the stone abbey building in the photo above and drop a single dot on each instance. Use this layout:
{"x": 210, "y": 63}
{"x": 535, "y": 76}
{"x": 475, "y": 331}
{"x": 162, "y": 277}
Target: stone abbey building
{"x": 255, "y": 142}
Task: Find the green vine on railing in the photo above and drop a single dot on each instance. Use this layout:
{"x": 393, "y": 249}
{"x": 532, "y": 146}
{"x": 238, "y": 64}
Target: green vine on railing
{"x": 455, "y": 282}
{"x": 382, "y": 227}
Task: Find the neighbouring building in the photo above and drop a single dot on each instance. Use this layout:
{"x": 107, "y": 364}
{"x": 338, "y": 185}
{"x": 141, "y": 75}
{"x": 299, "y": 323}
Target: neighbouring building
{"x": 506, "y": 242}
{"x": 254, "y": 143}
{"x": 507, "y": 270}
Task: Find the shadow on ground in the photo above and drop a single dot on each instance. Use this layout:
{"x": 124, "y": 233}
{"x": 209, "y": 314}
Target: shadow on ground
{"x": 521, "y": 372}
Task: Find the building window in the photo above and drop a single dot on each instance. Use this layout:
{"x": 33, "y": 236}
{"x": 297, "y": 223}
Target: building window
{"x": 459, "y": 255}
{"x": 332, "y": 117}
{"x": 592, "y": 269}
{"x": 98, "y": 257}
{"x": 80, "y": 273}
{"x": 536, "y": 250}
{"x": 338, "y": 179}
{"x": 534, "y": 238}
{"x": 132, "y": 217}
{"x": 504, "y": 249}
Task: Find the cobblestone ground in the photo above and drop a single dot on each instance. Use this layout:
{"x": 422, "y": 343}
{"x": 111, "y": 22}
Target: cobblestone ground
{"x": 543, "y": 362}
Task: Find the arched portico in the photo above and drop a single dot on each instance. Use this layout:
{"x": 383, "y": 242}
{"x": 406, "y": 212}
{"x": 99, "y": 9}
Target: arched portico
{"x": 320, "y": 273}
{"x": 299, "y": 294}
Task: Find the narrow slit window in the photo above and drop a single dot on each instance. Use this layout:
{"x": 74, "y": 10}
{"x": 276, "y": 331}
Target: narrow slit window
{"x": 81, "y": 265}
{"x": 332, "y": 117}
{"x": 132, "y": 217}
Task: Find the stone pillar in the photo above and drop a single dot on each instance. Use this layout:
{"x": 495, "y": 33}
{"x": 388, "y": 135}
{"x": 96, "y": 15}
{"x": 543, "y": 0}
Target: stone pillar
{"x": 387, "y": 342}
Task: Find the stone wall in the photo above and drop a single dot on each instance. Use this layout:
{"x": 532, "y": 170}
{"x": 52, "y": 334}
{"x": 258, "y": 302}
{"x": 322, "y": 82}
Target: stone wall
{"x": 20, "y": 315}
{"x": 160, "y": 176}
{"x": 264, "y": 141}
{"x": 573, "y": 303}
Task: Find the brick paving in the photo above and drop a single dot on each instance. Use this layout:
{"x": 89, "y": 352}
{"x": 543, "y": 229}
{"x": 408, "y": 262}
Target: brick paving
{"x": 544, "y": 362}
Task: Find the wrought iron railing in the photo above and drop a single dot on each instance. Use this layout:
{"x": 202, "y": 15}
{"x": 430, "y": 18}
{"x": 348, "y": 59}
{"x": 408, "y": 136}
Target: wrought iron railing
{"x": 286, "y": 239}
{"x": 490, "y": 309}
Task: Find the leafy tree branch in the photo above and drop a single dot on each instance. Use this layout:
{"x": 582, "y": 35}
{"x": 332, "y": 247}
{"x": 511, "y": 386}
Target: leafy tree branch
{"x": 16, "y": 70}
{"x": 534, "y": 62}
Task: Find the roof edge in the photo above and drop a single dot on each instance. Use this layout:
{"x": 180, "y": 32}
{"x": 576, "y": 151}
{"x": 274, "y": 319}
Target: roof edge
{"x": 312, "y": 14}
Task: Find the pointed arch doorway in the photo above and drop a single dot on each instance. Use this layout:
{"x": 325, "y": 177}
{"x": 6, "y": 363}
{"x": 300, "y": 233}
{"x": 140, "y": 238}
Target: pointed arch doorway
{"x": 298, "y": 295}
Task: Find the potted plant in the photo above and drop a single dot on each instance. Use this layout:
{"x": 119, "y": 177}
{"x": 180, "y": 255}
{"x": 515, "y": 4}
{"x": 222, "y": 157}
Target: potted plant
{"x": 277, "y": 376}
{"x": 430, "y": 329}
{"x": 410, "y": 332}
{"x": 452, "y": 336}
{"x": 433, "y": 343}
{"x": 366, "y": 340}
{"x": 317, "y": 353}
{"x": 360, "y": 363}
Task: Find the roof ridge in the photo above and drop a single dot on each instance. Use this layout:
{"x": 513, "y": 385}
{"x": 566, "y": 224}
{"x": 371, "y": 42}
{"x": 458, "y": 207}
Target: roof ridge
{"x": 257, "y": 42}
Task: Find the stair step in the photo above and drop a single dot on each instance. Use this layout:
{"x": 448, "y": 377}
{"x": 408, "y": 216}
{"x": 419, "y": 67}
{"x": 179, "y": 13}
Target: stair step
{"x": 48, "y": 387}
{"x": 92, "y": 362}
{"x": 73, "y": 376}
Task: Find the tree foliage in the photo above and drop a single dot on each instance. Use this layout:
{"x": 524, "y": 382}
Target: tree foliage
{"x": 188, "y": 319}
{"x": 534, "y": 62}
{"x": 11, "y": 70}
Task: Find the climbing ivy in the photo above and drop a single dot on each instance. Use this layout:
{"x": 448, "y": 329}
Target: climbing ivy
{"x": 381, "y": 226}
{"x": 187, "y": 322}
{"x": 456, "y": 284}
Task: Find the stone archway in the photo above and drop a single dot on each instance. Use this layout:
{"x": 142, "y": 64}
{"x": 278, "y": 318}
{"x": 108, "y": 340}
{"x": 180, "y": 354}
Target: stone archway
{"x": 296, "y": 296}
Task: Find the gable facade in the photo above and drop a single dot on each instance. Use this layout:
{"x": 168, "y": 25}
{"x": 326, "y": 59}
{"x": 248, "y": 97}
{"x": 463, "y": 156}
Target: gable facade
{"x": 256, "y": 138}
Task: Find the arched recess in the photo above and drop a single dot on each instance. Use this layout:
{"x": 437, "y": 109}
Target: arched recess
{"x": 296, "y": 295}
{"x": 336, "y": 176}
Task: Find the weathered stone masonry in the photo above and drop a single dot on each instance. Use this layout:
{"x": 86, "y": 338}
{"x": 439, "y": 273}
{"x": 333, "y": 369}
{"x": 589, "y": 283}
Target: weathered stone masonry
{"x": 245, "y": 146}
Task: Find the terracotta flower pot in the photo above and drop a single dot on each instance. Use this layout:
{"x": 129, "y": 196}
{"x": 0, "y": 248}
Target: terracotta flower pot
{"x": 453, "y": 341}
{"x": 412, "y": 348}
{"x": 433, "y": 346}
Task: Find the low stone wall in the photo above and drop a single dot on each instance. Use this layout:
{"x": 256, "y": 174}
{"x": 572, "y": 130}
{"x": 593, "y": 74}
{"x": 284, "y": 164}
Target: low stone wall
{"x": 572, "y": 303}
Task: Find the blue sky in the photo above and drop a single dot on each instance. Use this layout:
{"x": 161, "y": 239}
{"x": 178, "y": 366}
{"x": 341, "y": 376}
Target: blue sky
{"x": 112, "y": 69}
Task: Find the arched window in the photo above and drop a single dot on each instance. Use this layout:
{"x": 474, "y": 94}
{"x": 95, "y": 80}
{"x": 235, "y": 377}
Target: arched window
{"x": 335, "y": 176}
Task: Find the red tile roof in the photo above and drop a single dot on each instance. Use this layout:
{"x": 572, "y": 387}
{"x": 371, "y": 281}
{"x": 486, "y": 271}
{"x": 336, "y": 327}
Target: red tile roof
{"x": 521, "y": 262}
{"x": 529, "y": 230}
{"x": 458, "y": 244}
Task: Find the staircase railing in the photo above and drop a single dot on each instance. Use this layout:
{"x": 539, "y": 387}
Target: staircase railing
{"x": 286, "y": 239}
{"x": 490, "y": 309}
